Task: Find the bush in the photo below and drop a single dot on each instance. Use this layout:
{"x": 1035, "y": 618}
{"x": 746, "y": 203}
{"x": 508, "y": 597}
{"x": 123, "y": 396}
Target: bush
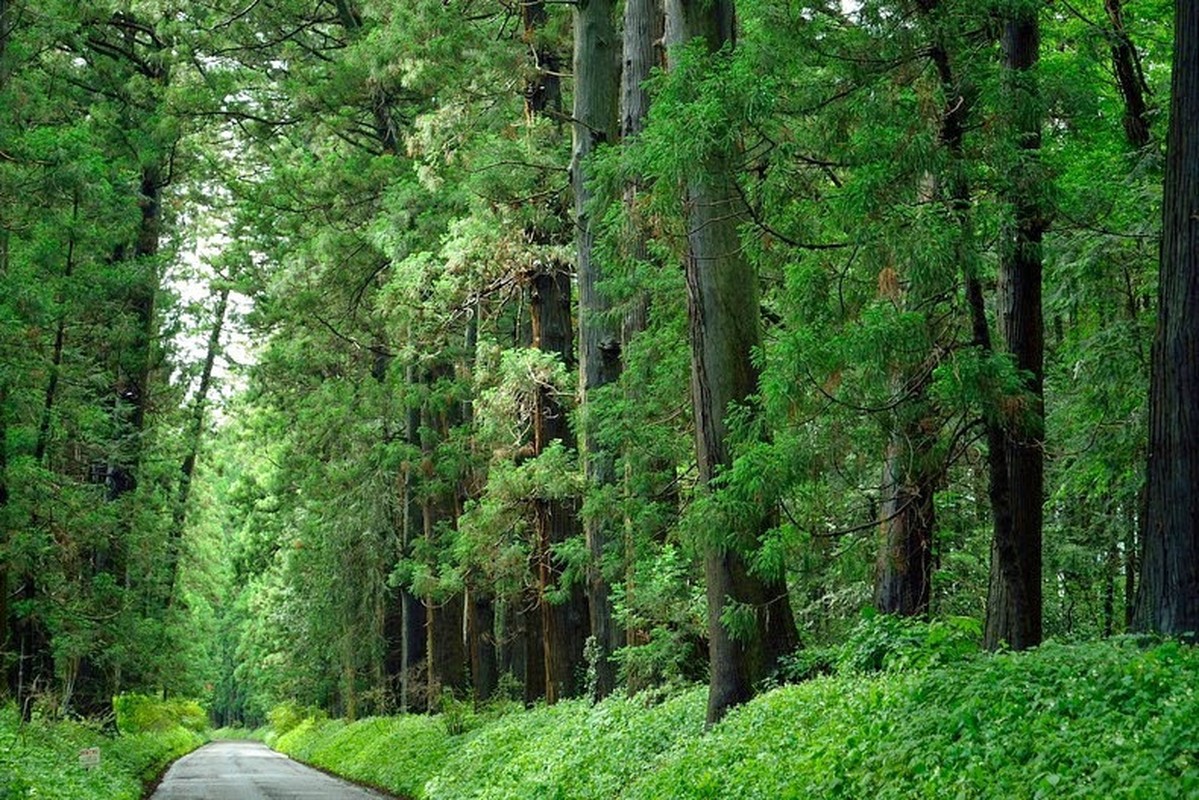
{"x": 571, "y": 750}
{"x": 1099, "y": 720}
{"x": 397, "y": 754}
{"x": 41, "y": 758}
{"x": 286, "y": 716}
{"x": 912, "y": 714}
{"x": 884, "y": 642}
{"x": 139, "y": 713}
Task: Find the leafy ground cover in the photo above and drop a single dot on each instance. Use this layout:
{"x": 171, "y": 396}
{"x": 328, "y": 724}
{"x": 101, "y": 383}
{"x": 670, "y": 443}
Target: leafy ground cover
{"x": 1108, "y": 719}
{"x": 41, "y": 758}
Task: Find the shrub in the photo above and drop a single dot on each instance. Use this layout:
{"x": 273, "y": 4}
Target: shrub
{"x": 139, "y": 713}
{"x": 882, "y": 642}
{"x": 41, "y": 758}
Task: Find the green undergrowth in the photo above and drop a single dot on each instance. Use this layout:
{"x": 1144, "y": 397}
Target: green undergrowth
{"x": 240, "y": 734}
{"x": 40, "y": 759}
{"x": 1108, "y": 719}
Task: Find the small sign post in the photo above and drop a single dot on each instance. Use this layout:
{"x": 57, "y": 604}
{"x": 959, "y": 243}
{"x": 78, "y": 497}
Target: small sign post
{"x": 89, "y": 757}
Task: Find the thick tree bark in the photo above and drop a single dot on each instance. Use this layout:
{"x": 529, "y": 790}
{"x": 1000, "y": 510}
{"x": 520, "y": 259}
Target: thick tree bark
{"x": 133, "y": 386}
{"x": 556, "y": 520}
{"x": 904, "y": 579}
{"x": 644, "y": 31}
{"x": 446, "y": 647}
{"x": 531, "y": 657}
{"x": 1129, "y": 78}
{"x": 1014, "y": 594}
{"x": 597, "y": 77}
{"x": 1168, "y": 597}
{"x": 723, "y": 311}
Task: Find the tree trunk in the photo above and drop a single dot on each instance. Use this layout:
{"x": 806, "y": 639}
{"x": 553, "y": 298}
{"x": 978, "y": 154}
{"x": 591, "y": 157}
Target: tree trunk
{"x": 597, "y": 78}
{"x": 532, "y": 655}
{"x": 445, "y": 649}
{"x": 60, "y": 332}
{"x": 1129, "y": 78}
{"x": 644, "y": 30}
{"x": 133, "y": 387}
{"x": 556, "y": 520}
{"x": 1168, "y": 596}
{"x": 1014, "y": 595}
{"x": 195, "y": 437}
{"x": 543, "y": 92}
{"x": 723, "y": 311}
{"x": 908, "y": 520}
{"x": 481, "y": 635}
{"x": 5, "y": 526}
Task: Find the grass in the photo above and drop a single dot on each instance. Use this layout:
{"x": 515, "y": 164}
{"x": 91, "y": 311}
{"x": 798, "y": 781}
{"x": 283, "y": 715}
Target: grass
{"x": 1100, "y": 720}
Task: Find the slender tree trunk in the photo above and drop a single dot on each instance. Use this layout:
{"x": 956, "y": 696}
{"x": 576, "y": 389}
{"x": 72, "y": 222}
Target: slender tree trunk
{"x": 912, "y": 471}
{"x": 1168, "y": 597}
{"x": 60, "y": 332}
{"x": 723, "y": 311}
{"x": 1129, "y": 78}
{"x": 480, "y": 599}
{"x": 445, "y": 649}
{"x": 481, "y": 635}
{"x": 5, "y": 526}
{"x": 133, "y": 387}
{"x": 597, "y": 78}
{"x": 1014, "y": 595}
{"x": 195, "y": 437}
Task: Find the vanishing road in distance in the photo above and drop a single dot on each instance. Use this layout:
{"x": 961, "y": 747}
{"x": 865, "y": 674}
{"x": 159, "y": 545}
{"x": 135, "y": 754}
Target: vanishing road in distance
{"x": 250, "y": 771}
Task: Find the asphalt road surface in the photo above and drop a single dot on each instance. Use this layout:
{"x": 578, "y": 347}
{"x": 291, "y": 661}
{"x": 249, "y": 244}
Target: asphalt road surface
{"x": 250, "y": 771}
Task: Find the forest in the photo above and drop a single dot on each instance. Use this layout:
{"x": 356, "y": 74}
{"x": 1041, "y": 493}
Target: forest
{"x": 366, "y": 358}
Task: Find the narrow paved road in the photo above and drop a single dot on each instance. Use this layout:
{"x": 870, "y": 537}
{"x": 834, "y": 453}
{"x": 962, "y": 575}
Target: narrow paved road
{"x": 250, "y": 771}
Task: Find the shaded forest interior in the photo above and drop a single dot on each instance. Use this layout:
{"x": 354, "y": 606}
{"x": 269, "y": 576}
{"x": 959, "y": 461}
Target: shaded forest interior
{"x": 376, "y": 356}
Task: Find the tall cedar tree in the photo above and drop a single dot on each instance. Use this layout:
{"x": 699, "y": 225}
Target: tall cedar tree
{"x": 1168, "y": 598}
{"x": 724, "y": 329}
{"x": 1017, "y": 494}
{"x": 597, "y": 84}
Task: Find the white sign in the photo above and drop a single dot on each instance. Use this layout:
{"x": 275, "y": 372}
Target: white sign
{"x": 89, "y": 757}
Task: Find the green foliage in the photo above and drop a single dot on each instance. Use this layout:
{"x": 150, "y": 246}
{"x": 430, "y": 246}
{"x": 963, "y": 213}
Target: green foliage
{"x": 284, "y": 717}
{"x": 886, "y": 642}
{"x": 41, "y": 759}
{"x": 1108, "y": 719}
{"x": 396, "y": 753}
{"x": 138, "y": 713}
{"x": 1100, "y": 720}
